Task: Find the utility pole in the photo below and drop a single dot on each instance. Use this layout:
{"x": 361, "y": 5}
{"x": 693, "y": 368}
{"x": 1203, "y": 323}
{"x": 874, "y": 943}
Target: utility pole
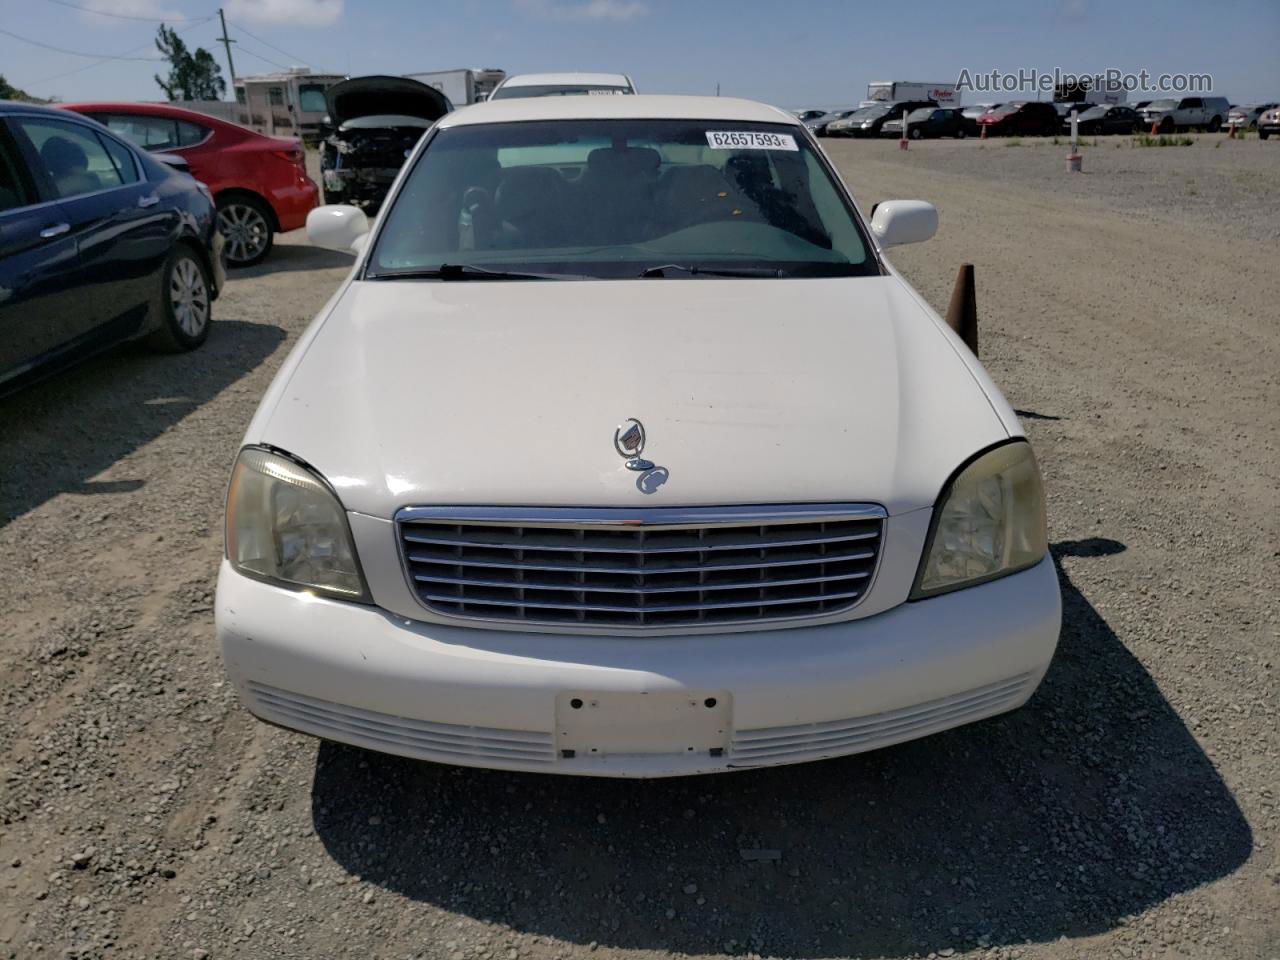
{"x": 227, "y": 42}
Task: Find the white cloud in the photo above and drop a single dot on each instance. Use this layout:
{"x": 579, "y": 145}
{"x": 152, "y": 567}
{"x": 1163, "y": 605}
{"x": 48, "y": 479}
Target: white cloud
{"x": 616, "y": 10}
{"x": 295, "y": 13}
{"x": 1074, "y": 11}
{"x": 125, "y": 9}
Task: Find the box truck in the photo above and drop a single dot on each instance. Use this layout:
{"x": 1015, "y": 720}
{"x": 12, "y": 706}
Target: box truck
{"x": 896, "y": 91}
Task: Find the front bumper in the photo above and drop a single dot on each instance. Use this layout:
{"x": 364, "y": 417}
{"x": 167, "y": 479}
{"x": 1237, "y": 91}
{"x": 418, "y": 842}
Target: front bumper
{"x": 630, "y": 706}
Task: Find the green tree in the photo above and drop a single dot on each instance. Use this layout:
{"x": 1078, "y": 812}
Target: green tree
{"x": 192, "y": 76}
{"x": 9, "y": 92}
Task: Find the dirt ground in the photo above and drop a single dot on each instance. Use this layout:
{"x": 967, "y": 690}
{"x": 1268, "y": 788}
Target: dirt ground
{"x": 1130, "y": 810}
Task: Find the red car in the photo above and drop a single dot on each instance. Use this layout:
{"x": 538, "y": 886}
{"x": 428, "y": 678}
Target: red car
{"x": 259, "y": 183}
{"x": 1027, "y": 117}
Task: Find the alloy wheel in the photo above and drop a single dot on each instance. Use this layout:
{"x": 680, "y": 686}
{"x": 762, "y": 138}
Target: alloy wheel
{"x": 246, "y": 230}
{"x": 189, "y": 296}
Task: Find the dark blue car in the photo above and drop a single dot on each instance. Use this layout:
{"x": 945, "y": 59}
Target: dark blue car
{"x": 99, "y": 243}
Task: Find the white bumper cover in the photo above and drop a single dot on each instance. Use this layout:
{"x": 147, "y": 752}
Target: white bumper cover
{"x": 635, "y": 706}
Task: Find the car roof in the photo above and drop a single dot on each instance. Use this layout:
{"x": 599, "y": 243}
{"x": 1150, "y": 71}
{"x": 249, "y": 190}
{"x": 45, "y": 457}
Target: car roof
{"x": 640, "y": 107}
{"x": 21, "y": 106}
{"x": 173, "y": 112}
{"x": 148, "y": 109}
{"x": 534, "y": 79}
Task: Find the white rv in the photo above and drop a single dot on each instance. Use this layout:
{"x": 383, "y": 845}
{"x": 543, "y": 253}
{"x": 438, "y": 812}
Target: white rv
{"x": 289, "y": 104}
{"x": 462, "y": 86}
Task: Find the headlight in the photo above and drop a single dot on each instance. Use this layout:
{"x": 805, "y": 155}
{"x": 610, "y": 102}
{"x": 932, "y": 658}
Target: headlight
{"x": 989, "y": 522}
{"x": 285, "y": 526}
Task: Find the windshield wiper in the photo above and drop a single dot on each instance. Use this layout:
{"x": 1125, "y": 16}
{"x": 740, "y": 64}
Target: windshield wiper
{"x": 661, "y": 271}
{"x": 467, "y": 271}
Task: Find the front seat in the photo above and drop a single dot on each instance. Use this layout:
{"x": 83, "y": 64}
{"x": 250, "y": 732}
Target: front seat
{"x": 617, "y": 193}
{"x": 531, "y": 205}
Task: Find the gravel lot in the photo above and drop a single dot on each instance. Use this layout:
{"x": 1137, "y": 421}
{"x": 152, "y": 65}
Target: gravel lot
{"x": 1130, "y": 810}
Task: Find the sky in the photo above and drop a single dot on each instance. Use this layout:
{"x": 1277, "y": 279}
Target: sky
{"x": 797, "y": 53}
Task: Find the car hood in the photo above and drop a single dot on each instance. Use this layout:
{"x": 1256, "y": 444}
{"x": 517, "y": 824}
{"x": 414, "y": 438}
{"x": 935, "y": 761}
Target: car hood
{"x": 367, "y": 96}
{"x": 751, "y": 391}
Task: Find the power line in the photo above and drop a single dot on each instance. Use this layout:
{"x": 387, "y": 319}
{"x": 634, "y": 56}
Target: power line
{"x": 98, "y": 63}
{"x": 274, "y": 63}
{"x": 126, "y": 16}
{"x": 75, "y": 53}
{"x": 267, "y": 43}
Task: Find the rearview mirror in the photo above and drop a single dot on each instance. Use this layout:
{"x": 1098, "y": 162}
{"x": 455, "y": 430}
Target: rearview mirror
{"x": 903, "y": 221}
{"x": 338, "y": 227}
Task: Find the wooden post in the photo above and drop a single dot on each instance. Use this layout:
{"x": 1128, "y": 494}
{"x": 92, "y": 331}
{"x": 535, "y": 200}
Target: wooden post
{"x": 962, "y": 313}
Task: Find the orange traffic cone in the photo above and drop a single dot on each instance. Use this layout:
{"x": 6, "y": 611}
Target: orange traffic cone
{"x": 983, "y": 135}
{"x": 1154, "y": 129}
{"x": 1231, "y": 132}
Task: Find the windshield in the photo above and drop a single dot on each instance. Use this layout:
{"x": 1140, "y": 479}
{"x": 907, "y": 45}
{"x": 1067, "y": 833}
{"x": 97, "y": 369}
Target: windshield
{"x": 924, "y": 113}
{"x": 558, "y": 90}
{"x": 311, "y": 98}
{"x": 609, "y": 199}
{"x": 1162, "y": 104}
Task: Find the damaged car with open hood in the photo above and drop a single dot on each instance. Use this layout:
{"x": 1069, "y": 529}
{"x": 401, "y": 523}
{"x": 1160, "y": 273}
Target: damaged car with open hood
{"x": 372, "y": 126}
{"x": 624, "y": 450}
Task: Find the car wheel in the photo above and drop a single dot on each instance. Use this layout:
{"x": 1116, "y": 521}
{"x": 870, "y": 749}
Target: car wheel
{"x": 961, "y": 133}
{"x": 1215, "y": 124}
{"x": 1263, "y": 134}
{"x": 246, "y": 223}
{"x": 1166, "y": 125}
{"x": 915, "y": 133}
{"x": 185, "y": 303}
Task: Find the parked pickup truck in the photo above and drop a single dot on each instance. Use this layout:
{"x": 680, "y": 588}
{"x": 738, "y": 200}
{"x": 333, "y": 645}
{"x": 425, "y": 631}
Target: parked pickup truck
{"x": 1170, "y": 114}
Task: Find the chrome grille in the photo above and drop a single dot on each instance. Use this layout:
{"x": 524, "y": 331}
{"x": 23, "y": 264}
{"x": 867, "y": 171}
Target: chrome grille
{"x": 638, "y": 568}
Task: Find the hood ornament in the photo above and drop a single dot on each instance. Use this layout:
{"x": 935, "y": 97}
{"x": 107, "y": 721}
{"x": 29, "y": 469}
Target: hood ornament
{"x": 628, "y": 440}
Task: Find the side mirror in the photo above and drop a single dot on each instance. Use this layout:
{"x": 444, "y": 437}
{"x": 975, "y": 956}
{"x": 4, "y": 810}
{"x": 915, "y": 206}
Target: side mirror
{"x": 338, "y": 227}
{"x": 902, "y": 221}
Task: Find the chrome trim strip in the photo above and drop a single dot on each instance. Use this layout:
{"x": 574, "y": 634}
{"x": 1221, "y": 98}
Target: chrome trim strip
{"x": 651, "y": 518}
{"x": 647, "y": 569}
{"x": 647, "y": 608}
{"x": 605, "y": 588}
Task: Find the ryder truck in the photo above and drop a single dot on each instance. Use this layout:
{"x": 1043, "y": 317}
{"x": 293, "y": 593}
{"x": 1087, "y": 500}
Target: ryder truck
{"x": 897, "y": 91}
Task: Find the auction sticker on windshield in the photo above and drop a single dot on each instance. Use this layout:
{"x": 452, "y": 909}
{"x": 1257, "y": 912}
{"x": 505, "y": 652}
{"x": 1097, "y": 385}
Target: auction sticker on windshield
{"x": 749, "y": 140}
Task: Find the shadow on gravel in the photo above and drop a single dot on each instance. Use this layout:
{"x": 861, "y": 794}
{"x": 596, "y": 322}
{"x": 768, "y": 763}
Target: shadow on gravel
{"x": 1091, "y": 803}
{"x": 56, "y": 435}
{"x": 285, "y": 258}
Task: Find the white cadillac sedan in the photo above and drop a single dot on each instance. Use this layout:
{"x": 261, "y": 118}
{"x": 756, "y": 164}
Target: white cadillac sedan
{"x": 624, "y": 451}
